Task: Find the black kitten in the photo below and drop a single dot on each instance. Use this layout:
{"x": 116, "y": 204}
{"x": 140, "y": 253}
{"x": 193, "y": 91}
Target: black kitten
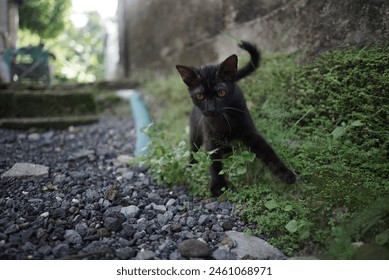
{"x": 220, "y": 115}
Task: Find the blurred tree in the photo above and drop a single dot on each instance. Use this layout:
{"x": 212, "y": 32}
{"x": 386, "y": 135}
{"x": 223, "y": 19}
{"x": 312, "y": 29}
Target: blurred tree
{"x": 79, "y": 51}
{"x": 47, "y": 18}
{"x": 82, "y": 50}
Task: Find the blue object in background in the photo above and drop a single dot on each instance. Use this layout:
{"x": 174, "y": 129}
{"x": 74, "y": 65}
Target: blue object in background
{"x": 141, "y": 118}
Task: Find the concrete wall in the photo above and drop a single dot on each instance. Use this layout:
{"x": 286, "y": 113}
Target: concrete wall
{"x": 157, "y": 34}
{"x": 9, "y": 25}
{"x": 3, "y": 25}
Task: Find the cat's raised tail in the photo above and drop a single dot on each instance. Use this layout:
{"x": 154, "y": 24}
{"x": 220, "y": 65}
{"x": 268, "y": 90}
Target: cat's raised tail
{"x": 250, "y": 67}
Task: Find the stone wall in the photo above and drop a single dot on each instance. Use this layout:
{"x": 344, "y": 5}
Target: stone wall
{"x": 156, "y": 35}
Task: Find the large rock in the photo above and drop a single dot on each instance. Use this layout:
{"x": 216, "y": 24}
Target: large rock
{"x": 26, "y": 170}
{"x": 254, "y": 247}
{"x": 192, "y": 248}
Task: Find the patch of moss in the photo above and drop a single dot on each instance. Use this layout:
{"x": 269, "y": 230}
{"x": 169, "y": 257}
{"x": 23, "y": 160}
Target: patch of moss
{"x": 43, "y": 104}
{"x": 348, "y": 91}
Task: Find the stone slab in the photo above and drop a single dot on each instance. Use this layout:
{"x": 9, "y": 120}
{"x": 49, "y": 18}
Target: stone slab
{"x": 27, "y": 170}
{"x": 254, "y": 247}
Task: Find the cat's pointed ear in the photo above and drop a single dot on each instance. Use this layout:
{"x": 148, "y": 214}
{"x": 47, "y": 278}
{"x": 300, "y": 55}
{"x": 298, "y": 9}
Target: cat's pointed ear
{"x": 228, "y": 68}
{"x": 188, "y": 75}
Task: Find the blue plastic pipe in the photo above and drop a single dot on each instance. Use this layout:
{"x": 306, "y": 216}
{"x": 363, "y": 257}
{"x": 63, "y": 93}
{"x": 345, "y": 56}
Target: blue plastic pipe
{"x": 141, "y": 118}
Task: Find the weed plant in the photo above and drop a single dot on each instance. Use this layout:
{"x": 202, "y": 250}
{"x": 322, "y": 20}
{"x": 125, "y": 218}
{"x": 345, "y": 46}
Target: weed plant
{"x": 328, "y": 119}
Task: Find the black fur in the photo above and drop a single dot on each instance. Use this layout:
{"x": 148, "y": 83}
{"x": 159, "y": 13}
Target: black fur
{"x": 220, "y": 115}
{"x": 253, "y": 64}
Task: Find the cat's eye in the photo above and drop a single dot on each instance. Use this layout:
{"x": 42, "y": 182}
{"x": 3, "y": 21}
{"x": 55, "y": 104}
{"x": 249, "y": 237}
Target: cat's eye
{"x": 200, "y": 96}
{"x": 221, "y": 93}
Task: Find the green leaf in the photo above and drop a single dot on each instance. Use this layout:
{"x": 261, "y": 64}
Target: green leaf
{"x": 241, "y": 170}
{"x": 382, "y": 238}
{"x": 304, "y": 235}
{"x": 288, "y": 208}
{"x": 271, "y": 204}
{"x": 247, "y": 156}
{"x": 338, "y": 132}
{"x": 357, "y": 123}
{"x": 292, "y": 226}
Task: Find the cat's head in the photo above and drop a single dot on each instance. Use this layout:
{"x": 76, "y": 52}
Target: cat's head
{"x": 211, "y": 87}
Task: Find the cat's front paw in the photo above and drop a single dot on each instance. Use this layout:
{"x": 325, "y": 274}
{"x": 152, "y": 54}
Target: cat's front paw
{"x": 217, "y": 186}
{"x": 287, "y": 176}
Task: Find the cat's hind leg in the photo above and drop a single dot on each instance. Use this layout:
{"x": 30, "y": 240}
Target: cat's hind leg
{"x": 257, "y": 144}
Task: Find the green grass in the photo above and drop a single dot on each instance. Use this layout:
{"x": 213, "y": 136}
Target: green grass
{"x": 328, "y": 119}
{"x": 170, "y": 106}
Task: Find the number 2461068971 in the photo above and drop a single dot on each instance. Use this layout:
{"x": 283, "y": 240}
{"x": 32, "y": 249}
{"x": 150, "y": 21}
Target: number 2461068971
{"x": 263, "y": 270}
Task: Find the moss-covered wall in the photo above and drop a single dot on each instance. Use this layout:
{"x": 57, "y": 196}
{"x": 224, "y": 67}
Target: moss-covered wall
{"x": 38, "y": 104}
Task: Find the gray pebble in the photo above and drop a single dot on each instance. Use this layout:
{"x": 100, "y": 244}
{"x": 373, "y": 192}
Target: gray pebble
{"x": 202, "y": 219}
{"x": 3, "y": 236}
{"x": 225, "y": 205}
{"x": 169, "y": 214}
{"x": 153, "y": 197}
{"x": 227, "y": 225}
{"x": 191, "y": 222}
{"x": 12, "y": 229}
{"x": 72, "y": 237}
{"x": 162, "y": 219}
{"x": 128, "y": 230}
{"x": 145, "y": 255}
{"x": 140, "y": 234}
{"x": 159, "y": 208}
{"x": 170, "y": 202}
{"x": 128, "y": 175}
{"x": 222, "y": 254}
{"x": 28, "y": 247}
{"x": 81, "y": 215}
{"x": 130, "y": 211}
{"x": 113, "y": 210}
{"x": 193, "y": 248}
{"x": 45, "y": 250}
{"x": 114, "y": 223}
{"x": 141, "y": 224}
{"x": 61, "y": 250}
{"x": 58, "y": 179}
{"x": 213, "y": 206}
{"x": 125, "y": 253}
{"x": 78, "y": 175}
{"x": 217, "y": 228}
{"x": 175, "y": 256}
{"x": 92, "y": 195}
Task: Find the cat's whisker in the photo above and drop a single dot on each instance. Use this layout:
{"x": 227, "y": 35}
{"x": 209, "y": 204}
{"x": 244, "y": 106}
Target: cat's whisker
{"x": 228, "y": 122}
{"x": 198, "y": 126}
{"x": 235, "y": 109}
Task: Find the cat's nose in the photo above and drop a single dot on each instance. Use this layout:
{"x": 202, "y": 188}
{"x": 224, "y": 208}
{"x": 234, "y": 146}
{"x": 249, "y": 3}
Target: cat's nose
{"x": 211, "y": 108}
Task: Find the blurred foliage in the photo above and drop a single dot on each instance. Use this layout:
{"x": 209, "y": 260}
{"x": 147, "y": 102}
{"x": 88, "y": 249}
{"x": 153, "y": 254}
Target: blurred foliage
{"x": 44, "y": 17}
{"x": 79, "y": 52}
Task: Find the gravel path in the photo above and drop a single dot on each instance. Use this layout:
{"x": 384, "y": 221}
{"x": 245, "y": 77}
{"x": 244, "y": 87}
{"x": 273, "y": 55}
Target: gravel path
{"x": 91, "y": 205}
